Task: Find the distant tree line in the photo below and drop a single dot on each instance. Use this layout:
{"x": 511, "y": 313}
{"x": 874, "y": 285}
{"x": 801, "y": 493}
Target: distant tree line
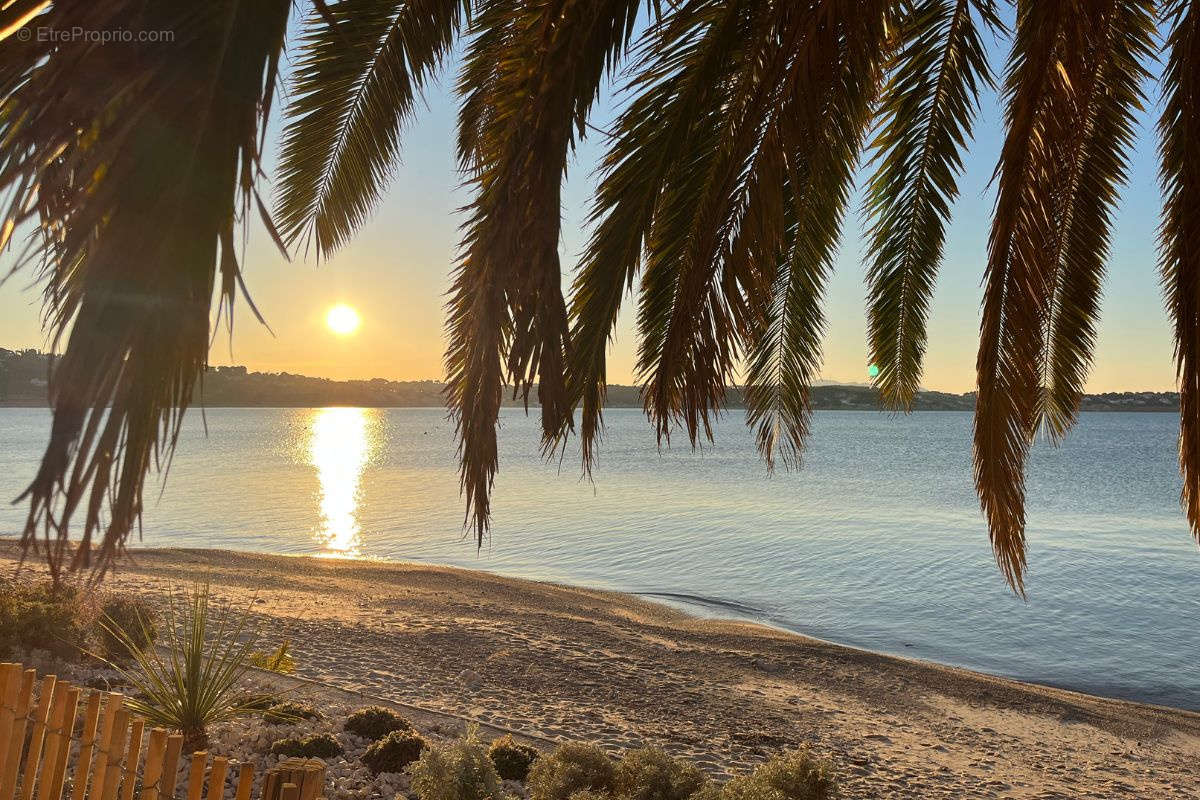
{"x": 24, "y": 378}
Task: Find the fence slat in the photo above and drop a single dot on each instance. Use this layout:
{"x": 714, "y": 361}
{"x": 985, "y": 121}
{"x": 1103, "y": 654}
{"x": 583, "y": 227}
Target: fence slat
{"x": 245, "y": 782}
{"x": 152, "y": 777}
{"x": 289, "y": 791}
{"x": 195, "y": 784}
{"x": 87, "y": 746}
{"x": 34, "y": 758}
{"x": 113, "y": 706}
{"x": 116, "y": 755}
{"x": 58, "y": 746}
{"x": 171, "y": 765}
{"x": 10, "y": 686}
{"x": 132, "y": 756}
{"x": 216, "y": 778}
{"x": 11, "y": 756}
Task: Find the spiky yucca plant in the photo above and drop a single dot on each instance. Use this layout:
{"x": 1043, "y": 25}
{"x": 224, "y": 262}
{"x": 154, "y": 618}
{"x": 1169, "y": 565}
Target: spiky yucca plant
{"x": 721, "y": 197}
{"x": 196, "y": 682}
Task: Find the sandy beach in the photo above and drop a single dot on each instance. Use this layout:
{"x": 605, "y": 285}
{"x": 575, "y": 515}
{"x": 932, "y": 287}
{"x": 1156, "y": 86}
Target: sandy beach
{"x": 556, "y": 662}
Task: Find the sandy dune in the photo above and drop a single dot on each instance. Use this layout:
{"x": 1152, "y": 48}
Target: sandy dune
{"x": 559, "y": 662}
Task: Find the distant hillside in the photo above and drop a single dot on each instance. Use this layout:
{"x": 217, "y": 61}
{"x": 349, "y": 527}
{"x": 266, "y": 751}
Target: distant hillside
{"x": 23, "y": 383}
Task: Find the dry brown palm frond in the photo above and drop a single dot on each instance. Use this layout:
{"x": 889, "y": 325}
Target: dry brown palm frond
{"x": 517, "y": 133}
{"x": 134, "y": 157}
{"x": 1179, "y": 148}
{"x": 1072, "y": 85}
{"x": 925, "y": 118}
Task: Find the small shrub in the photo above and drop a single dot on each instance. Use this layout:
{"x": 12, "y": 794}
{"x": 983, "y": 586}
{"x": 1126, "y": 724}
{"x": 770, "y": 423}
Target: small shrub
{"x": 460, "y": 770}
{"x": 41, "y": 616}
{"x": 376, "y": 722}
{"x": 651, "y": 774}
{"x": 394, "y": 752}
{"x": 319, "y": 745}
{"x": 745, "y": 787}
{"x": 290, "y": 712}
{"x": 278, "y": 660}
{"x": 133, "y": 616}
{"x": 790, "y": 776}
{"x": 591, "y": 794}
{"x": 570, "y": 768}
{"x": 512, "y": 760}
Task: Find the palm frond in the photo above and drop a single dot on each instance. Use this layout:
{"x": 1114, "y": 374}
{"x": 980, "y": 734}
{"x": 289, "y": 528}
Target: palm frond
{"x": 506, "y": 300}
{"x": 689, "y": 326}
{"x": 833, "y": 84}
{"x": 1179, "y": 174}
{"x": 1072, "y": 86}
{"x": 360, "y": 72}
{"x": 678, "y": 94}
{"x": 134, "y": 158}
{"x": 925, "y": 118}
{"x": 1096, "y": 131}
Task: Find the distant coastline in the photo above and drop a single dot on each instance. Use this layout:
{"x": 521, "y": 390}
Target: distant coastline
{"x": 23, "y": 385}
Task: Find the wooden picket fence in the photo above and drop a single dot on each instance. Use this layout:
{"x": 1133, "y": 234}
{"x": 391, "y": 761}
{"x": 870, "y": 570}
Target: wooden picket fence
{"x": 41, "y": 744}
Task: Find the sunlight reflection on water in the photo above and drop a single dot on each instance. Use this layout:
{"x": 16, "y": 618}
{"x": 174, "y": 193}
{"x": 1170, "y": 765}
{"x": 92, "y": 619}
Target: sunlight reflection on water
{"x": 341, "y": 444}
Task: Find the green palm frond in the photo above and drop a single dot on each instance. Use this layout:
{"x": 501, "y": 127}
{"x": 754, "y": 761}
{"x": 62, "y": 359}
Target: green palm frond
{"x": 832, "y": 88}
{"x": 134, "y": 158}
{"x": 925, "y": 117}
{"x": 358, "y": 78}
{"x": 689, "y": 326}
{"x": 677, "y": 98}
{"x": 506, "y": 300}
{"x": 1072, "y": 85}
{"x": 1096, "y": 131}
{"x": 1179, "y": 246}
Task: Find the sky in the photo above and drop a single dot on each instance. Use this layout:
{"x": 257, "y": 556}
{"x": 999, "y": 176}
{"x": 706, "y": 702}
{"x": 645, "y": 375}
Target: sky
{"x": 396, "y": 272}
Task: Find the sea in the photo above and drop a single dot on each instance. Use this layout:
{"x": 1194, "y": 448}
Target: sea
{"x": 876, "y": 542}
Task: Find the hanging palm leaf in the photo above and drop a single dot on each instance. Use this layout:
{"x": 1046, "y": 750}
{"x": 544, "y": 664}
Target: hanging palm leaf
{"x": 506, "y": 302}
{"x": 1179, "y": 148}
{"x": 925, "y": 118}
{"x": 135, "y": 158}
{"x": 1072, "y": 87}
{"x": 360, "y": 73}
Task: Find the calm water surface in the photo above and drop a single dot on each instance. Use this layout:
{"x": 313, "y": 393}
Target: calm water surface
{"x": 878, "y": 542}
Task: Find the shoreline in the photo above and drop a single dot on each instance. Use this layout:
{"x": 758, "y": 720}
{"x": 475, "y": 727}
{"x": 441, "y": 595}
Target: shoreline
{"x": 561, "y": 662}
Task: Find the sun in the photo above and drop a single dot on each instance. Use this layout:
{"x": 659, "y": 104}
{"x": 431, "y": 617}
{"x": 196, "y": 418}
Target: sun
{"x": 342, "y": 320}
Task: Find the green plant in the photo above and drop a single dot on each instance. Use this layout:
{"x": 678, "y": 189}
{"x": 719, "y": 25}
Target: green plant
{"x": 651, "y": 774}
{"x": 318, "y": 745}
{"x": 42, "y": 616}
{"x": 394, "y": 752}
{"x": 195, "y": 684}
{"x": 512, "y": 760}
{"x": 460, "y": 770}
{"x": 591, "y": 794}
{"x": 789, "y": 776}
{"x": 569, "y": 768}
{"x": 290, "y": 712}
{"x": 257, "y": 701}
{"x": 131, "y": 614}
{"x": 375, "y": 722}
{"x": 278, "y": 660}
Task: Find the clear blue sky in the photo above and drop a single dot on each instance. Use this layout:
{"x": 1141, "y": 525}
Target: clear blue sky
{"x": 396, "y": 273}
